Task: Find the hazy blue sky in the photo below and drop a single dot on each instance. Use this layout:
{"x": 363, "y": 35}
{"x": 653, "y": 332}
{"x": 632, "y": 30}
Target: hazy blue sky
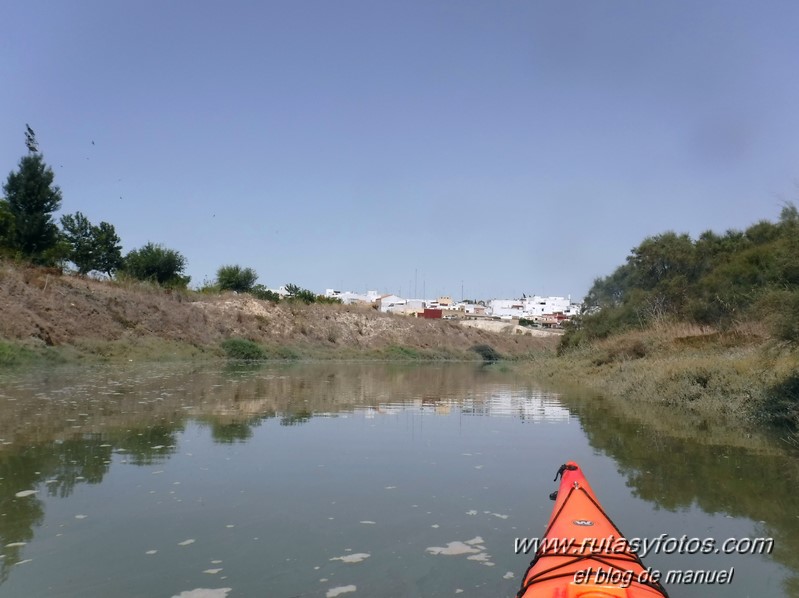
{"x": 506, "y": 146}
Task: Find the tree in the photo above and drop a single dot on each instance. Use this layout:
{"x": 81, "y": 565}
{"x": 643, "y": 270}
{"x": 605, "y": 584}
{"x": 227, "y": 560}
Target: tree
{"x": 296, "y": 293}
{"x": 662, "y": 257}
{"x": 236, "y": 278}
{"x": 259, "y": 291}
{"x": 6, "y": 226}
{"x": 31, "y": 201}
{"x": 78, "y": 233}
{"x": 91, "y": 247}
{"x": 108, "y": 249}
{"x": 156, "y": 263}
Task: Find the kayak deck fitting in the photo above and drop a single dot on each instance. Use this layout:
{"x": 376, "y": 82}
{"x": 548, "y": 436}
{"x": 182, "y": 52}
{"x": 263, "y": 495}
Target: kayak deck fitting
{"x": 582, "y": 553}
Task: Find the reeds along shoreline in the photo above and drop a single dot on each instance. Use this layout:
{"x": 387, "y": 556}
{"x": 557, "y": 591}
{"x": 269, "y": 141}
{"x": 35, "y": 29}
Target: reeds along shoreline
{"x": 741, "y": 376}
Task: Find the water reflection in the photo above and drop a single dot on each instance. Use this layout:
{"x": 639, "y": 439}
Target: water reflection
{"x": 61, "y": 429}
{"x": 729, "y": 473}
{"x": 61, "y": 406}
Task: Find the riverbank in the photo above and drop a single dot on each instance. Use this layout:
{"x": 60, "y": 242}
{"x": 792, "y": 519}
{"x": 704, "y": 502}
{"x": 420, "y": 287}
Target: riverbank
{"x": 47, "y": 316}
{"x": 742, "y": 376}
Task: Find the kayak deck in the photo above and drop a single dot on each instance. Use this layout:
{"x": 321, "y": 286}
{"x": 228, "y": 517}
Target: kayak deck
{"x": 582, "y": 553}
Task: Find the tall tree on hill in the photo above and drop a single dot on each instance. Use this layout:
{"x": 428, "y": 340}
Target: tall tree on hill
{"x": 31, "y": 199}
{"x": 6, "y": 226}
{"x": 92, "y": 247}
{"x": 109, "y": 251}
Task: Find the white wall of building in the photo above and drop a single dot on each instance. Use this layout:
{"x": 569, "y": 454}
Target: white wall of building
{"x": 348, "y": 297}
{"x": 503, "y": 308}
{"x": 541, "y": 306}
{"x": 530, "y": 307}
{"x": 389, "y": 303}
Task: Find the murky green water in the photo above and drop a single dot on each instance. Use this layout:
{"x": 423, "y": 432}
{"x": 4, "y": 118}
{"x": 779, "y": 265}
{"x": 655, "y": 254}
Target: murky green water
{"x": 331, "y": 479}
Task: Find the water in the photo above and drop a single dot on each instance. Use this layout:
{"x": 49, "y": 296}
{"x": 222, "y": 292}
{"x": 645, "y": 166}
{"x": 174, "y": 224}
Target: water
{"x": 353, "y": 480}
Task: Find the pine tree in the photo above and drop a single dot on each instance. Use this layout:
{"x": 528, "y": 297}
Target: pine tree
{"x": 31, "y": 200}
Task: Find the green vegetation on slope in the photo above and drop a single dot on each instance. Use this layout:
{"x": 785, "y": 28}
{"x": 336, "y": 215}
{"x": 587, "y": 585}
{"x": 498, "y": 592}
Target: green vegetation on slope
{"x": 715, "y": 281}
{"x": 711, "y": 324}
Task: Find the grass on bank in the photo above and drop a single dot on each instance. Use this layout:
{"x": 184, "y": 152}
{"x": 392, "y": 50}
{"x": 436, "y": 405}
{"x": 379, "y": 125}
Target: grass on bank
{"x": 741, "y": 374}
{"x": 242, "y": 349}
{"x": 18, "y": 354}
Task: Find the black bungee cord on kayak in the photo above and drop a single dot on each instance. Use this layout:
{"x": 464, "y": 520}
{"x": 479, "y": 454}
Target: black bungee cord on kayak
{"x": 562, "y": 468}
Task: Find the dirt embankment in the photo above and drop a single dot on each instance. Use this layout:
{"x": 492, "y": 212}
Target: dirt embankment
{"x": 40, "y": 308}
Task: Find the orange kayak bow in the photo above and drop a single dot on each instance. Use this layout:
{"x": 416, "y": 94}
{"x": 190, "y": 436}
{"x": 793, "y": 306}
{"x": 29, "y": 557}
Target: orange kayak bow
{"x": 582, "y": 553}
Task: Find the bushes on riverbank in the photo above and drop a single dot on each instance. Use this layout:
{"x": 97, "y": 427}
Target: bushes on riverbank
{"x": 708, "y": 325}
{"x": 782, "y": 402}
{"x": 740, "y": 374}
{"x": 715, "y": 281}
{"x": 241, "y": 348}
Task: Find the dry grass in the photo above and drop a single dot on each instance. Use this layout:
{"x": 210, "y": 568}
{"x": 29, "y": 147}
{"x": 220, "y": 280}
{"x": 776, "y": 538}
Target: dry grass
{"x": 107, "y": 319}
{"x": 703, "y": 373}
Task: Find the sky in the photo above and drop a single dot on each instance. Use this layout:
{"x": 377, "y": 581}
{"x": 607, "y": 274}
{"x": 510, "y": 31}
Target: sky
{"x": 479, "y": 149}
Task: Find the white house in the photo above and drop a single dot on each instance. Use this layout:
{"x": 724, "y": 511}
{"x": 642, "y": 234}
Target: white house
{"x": 473, "y": 309}
{"x": 281, "y": 290}
{"x": 531, "y": 307}
{"x": 348, "y": 297}
{"x": 387, "y": 303}
{"x": 542, "y": 306}
{"x": 409, "y": 307}
{"x": 506, "y": 308}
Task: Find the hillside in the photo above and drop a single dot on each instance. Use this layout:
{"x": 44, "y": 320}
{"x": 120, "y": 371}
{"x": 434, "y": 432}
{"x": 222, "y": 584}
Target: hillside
{"x": 45, "y": 312}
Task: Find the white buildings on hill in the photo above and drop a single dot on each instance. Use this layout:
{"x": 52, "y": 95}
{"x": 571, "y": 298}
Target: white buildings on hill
{"x": 531, "y": 307}
{"x": 348, "y": 297}
{"x": 528, "y": 307}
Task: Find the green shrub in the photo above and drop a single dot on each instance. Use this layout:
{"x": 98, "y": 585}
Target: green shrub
{"x": 574, "y": 337}
{"x": 156, "y": 263}
{"x": 259, "y": 291}
{"x": 622, "y": 350}
{"x": 781, "y": 310}
{"x": 236, "y": 278}
{"x": 242, "y": 348}
{"x": 487, "y": 352}
{"x": 12, "y": 355}
{"x": 397, "y": 352}
{"x": 782, "y": 402}
{"x": 209, "y": 288}
{"x": 305, "y": 296}
{"x": 297, "y": 293}
{"x": 286, "y": 353}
